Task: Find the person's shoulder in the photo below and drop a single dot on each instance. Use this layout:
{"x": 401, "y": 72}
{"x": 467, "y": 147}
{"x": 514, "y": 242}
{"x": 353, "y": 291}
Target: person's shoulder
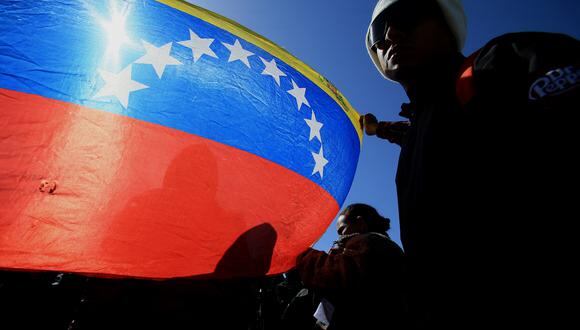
{"x": 511, "y": 46}
{"x": 528, "y": 37}
{"x": 507, "y": 67}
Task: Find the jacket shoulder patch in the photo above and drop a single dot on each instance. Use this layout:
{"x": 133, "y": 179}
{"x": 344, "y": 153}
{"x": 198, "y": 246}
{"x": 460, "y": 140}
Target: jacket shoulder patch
{"x": 555, "y": 82}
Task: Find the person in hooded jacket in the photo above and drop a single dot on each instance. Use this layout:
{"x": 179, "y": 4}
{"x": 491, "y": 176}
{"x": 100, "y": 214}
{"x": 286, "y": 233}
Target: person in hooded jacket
{"x": 361, "y": 280}
{"x": 486, "y": 167}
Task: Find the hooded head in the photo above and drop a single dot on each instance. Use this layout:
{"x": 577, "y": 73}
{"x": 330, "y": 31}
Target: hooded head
{"x": 361, "y": 218}
{"x": 410, "y": 19}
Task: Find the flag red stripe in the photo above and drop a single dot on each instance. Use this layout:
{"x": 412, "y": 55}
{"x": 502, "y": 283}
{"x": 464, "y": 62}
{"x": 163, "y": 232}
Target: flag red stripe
{"x": 142, "y": 200}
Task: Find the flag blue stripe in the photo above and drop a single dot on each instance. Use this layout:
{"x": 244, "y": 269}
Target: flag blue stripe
{"x": 56, "y": 49}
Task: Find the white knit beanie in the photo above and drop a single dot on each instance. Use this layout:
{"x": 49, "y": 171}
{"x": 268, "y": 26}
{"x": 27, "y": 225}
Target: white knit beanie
{"x": 452, "y": 11}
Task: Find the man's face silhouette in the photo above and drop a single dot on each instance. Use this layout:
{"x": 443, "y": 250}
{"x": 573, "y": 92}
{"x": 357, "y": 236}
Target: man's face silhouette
{"x": 412, "y": 43}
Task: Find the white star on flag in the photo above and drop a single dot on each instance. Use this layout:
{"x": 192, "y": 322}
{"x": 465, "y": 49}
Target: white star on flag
{"x": 272, "y": 70}
{"x": 119, "y": 85}
{"x": 238, "y": 53}
{"x": 199, "y": 46}
{"x": 299, "y": 94}
{"x": 158, "y": 57}
{"x": 320, "y": 162}
{"x": 315, "y": 127}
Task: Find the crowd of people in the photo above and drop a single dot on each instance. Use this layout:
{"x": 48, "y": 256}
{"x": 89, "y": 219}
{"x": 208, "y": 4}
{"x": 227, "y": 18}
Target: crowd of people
{"x": 485, "y": 191}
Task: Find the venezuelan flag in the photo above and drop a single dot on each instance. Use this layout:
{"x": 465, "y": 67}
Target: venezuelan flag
{"x": 155, "y": 139}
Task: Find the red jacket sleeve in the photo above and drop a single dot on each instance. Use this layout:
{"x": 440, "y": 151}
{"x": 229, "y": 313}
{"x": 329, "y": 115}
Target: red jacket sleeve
{"x": 364, "y": 259}
{"x": 321, "y": 271}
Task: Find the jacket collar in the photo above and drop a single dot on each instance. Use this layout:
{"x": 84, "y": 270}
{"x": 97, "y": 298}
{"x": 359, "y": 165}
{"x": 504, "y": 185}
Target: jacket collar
{"x": 437, "y": 79}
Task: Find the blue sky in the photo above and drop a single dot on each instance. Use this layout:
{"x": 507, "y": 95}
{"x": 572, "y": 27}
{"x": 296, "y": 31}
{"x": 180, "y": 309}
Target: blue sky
{"x": 329, "y": 35}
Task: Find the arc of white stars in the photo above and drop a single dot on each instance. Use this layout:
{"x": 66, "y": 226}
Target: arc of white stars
{"x": 320, "y": 162}
{"x": 199, "y": 46}
{"x": 272, "y": 70}
{"x": 238, "y": 53}
{"x": 315, "y": 127}
{"x": 299, "y": 94}
{"x": 119, "y": 85}
{"x": 158, "y": 57}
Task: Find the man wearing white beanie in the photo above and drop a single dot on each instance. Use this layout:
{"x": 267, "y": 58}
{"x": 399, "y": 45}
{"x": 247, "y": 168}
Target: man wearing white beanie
{"x": 485, "y": 169}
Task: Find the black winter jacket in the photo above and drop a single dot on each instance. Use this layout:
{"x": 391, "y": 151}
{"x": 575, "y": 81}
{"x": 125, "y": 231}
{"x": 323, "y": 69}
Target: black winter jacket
{"x": 486, "y": 182}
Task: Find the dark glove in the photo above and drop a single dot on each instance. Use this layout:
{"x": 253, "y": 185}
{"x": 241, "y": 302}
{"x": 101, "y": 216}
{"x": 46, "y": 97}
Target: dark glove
{"x": 394, "y": 131}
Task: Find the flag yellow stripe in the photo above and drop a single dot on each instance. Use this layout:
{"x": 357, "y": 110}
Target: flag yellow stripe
{"x": 272, "y": 48}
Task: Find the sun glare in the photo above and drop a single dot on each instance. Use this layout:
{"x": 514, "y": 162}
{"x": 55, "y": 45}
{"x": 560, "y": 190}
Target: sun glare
{"x": 115, "y": 30}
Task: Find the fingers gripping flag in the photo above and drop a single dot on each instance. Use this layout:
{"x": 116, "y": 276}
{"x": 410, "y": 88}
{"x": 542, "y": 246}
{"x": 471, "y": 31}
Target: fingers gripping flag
{"x": 158, "y": 140}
